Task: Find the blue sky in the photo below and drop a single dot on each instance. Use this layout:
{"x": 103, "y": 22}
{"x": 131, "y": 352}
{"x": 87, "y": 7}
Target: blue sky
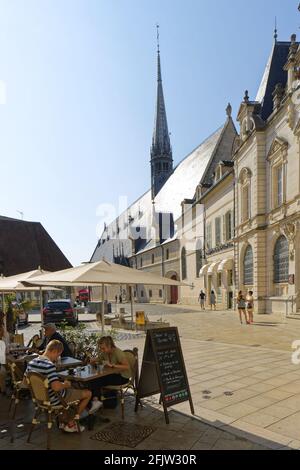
{"x": 80, "y": 78}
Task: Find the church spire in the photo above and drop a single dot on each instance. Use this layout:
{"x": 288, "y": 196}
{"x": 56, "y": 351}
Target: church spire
{"x": 161, "y": 151}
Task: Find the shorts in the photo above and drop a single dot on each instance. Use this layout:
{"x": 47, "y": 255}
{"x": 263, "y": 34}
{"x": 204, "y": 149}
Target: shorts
{"x": 73, "y": 394}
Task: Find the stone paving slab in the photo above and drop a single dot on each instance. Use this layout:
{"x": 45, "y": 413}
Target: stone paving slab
{"x": 253, "y": 363}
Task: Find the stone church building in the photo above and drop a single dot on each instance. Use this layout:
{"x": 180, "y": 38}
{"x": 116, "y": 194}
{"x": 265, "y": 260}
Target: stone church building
{"x": 227, "y": 217}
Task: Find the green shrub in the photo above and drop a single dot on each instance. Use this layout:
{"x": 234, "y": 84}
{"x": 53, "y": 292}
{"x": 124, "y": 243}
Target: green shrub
{"x": 86, "y": 341}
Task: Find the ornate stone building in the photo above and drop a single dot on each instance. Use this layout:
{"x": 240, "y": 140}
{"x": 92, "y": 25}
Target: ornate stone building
{"x": 267, "y": 178}
{"x": 227, "y": 217}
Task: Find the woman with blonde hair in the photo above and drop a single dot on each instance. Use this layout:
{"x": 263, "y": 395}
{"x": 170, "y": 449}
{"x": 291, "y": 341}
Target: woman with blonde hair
{"x": 113, "y": 358}
{"x": 241, "y": 306}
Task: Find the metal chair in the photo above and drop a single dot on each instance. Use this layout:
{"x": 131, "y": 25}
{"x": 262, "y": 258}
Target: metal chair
{"x": 131, "y": 385}
{"x": 39, "y": 388}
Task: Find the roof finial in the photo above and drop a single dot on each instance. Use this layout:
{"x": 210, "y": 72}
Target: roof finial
{"x": 229, "y": 110}
{"x": 246, "y": 97}
{"x": 157, "y": 36}
{"x": 275, "y": 30}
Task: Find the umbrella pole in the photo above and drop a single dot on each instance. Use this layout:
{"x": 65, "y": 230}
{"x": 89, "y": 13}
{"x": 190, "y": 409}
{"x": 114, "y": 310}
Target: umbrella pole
{"x": 131, "y": 302}
{"x": 102, "y": 313}
{"x": 4, "y": 314}
{"x": 41, "y": 304}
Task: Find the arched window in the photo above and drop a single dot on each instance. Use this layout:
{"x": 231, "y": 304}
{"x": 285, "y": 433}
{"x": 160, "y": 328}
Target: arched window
{"x": 183, "y": 263}
{"x": 199, "y": 262}
{"x": 281, "y": 260}
{"x": 248, "y": 266}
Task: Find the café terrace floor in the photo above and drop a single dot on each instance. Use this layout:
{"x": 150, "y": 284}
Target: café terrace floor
{"x": 183, "y": 432}
{"x": 245, "y": 388}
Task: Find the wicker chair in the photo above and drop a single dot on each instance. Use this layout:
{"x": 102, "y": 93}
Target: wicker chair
{"x": 18, "y": 339}
{"x": 39, "y": 388}
{"x": 18, "y": 385}
{"x": 131, "y": 385}
{"x": 35, "y": 342}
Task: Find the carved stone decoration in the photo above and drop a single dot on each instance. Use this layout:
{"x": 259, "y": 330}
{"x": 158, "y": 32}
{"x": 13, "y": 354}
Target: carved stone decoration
{"x": 289, "y": 230}
{"x": 297, "y": 129}
{"x": 291, "y": 115}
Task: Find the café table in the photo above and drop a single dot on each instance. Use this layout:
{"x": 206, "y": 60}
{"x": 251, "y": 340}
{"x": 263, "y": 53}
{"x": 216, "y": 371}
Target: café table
{"x": 68, "y": 363}
{"x": 21, "y": 358}
{"x": 89, "y": 372}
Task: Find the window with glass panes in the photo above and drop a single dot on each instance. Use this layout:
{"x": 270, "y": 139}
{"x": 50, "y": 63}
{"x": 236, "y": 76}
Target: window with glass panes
{"x": 281, "y": 260}
{"x": 218, "y": 230}
{"x": 230, "y": 277}
{"x": 208, "y": 236}
{"x": 228, "y": 225}
{"x": 248, "y": 266}
{"x": 279, "y": 185}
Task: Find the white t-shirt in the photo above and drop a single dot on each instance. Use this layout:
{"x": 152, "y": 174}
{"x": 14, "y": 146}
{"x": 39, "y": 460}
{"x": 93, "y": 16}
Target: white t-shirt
{"x": 2, "y": 352}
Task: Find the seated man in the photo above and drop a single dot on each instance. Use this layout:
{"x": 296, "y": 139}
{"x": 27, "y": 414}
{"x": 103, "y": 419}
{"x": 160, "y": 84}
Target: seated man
{"x": 44, "y": 365}
{"x": 51, "y": 334}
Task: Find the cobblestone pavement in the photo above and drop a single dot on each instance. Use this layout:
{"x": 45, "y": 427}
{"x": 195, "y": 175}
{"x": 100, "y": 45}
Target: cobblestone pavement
{"x": 242, "y": 377}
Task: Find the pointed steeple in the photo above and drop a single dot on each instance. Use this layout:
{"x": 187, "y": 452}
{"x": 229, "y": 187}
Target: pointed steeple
{"x": 161, "y": 151}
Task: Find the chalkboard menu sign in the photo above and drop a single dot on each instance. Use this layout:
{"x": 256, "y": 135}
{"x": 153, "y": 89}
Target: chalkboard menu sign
{"x": 163, "y": 369}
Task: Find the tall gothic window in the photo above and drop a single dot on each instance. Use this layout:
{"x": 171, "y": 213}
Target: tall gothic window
{"x": 183, "y": 263}
{"x": 248, "y": 266}
{"x": 199, "y": 261}
{"x": 281, "y": 260}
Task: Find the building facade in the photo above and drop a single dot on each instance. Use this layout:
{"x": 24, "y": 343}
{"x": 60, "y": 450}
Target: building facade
{"x": 231, "y": 208}
{"x": 267, "y": 175}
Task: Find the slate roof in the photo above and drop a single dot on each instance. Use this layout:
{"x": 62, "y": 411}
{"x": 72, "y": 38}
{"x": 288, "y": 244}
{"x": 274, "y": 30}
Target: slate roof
{"x": 181, "y": 185}
{"x": 26, "y": 245}
{"x": 273, "y": 74}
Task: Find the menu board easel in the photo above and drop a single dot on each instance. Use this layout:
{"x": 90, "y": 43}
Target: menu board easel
{"x": 163, "y": 370}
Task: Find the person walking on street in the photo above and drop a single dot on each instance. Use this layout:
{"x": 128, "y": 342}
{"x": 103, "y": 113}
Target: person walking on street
{"x": 201, "y": 299}
{"x": 250, "y": 306}
{"x": 212, "y": 300}
{"x": 241, "y": 305}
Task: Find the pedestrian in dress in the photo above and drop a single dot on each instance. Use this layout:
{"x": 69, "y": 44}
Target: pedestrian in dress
{"x": 212, "y": 300}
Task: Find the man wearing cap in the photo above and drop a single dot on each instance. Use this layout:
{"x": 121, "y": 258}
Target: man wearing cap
{"x": 51, "y": 334}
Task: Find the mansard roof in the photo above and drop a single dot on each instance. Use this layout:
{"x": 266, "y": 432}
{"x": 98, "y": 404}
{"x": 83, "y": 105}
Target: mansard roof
{"x": 274, "y": 73}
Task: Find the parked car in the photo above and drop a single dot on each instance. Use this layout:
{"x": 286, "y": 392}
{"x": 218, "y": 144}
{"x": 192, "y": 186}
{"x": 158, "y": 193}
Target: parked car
{"x": 20, "y": 314}
{"x": 60, "y": 310}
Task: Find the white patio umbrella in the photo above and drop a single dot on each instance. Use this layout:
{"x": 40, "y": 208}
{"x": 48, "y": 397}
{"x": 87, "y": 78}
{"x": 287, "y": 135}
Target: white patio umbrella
{"x": 98, "y": 274}
{"x": 15, "y": 284}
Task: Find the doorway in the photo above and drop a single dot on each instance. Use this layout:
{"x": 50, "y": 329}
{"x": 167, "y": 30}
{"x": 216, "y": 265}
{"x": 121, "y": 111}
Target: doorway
{"x": 174, "y": 292}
